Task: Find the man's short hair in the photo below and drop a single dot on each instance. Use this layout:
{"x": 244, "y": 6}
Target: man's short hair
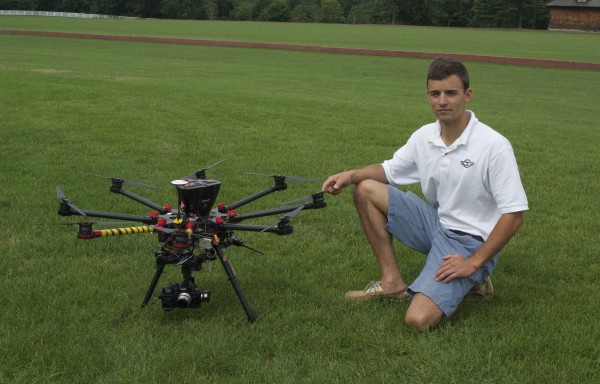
{"x": 442, "y": 68}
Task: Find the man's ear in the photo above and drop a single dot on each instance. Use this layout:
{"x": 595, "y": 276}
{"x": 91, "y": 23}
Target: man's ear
{"x": 468, "y": 94}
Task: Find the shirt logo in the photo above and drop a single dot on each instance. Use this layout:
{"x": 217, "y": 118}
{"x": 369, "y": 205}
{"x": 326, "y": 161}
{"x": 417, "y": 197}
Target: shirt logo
{"x": 467, "y": 163}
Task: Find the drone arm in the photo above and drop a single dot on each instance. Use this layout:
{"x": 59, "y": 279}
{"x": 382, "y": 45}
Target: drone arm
{"x": 139, "y": 199}
{"x": 282, "y": 229}
{"x": 63, "y": 211}
{"x": 318, "y": 202}
{"x": 278, "y": 186}
{"x": 266, "y": 212}
{"x": 86, "y": 232}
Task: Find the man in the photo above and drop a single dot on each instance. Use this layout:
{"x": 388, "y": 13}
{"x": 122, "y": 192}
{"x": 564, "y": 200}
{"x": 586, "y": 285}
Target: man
{"x": 469, "y": 176}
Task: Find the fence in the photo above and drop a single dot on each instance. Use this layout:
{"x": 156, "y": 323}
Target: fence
{"x": 60, "y": 14}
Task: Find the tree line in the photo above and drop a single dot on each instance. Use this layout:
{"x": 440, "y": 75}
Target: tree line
{"x": 531, "y": 14}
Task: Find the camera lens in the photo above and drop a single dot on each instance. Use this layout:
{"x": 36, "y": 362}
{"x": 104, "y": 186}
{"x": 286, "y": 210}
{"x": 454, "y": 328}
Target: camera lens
{"x": 183, "y": 300}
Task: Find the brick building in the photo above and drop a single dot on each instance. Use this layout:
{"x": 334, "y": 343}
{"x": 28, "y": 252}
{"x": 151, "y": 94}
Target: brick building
{"x": 580, "y": 15}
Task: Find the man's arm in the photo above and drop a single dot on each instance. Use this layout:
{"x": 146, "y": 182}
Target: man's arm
{"x": 335, "y": 183}
{"x": 457, "y": 266}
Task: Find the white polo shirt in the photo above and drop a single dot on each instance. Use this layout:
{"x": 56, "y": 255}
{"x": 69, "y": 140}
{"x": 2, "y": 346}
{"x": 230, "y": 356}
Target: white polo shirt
{"x": 470, "y": 183}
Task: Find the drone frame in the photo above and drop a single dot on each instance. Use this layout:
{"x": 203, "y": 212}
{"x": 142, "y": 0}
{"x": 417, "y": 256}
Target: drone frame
{"x": 181, "y": 234}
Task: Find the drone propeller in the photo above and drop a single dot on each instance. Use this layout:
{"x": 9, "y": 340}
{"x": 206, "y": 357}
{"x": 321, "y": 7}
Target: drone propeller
{"x": 289, "y": 216}
{"x": 118, "y": 179}
{"x": 288, "y": 178}
{"x": 303, "y": 199}
{"x": 101, "y": 223}
{"x": 294, "y": 212}
{"x": 202, "y": 172}
{"x": 63, "y": 199}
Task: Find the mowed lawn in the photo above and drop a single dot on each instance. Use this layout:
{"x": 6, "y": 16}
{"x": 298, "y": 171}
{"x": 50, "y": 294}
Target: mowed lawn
{"x": 155, "y": 112}
{"x": 534, "y": 44}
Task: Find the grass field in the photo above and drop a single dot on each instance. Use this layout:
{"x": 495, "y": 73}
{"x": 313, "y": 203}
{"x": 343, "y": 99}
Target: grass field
{"x": 512, "y": 43}
{"x": 156, "y": 112}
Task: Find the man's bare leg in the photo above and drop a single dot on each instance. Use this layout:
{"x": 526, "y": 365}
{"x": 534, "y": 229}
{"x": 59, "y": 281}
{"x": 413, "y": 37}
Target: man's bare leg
{"x": 423, "y": 314}
{"x": 371, "y": 201}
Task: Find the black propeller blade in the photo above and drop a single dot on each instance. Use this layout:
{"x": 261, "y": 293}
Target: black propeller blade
{"x": 118, "y": 179}
{"x": 288, "y": 178}
{"x": 63, "y": 199}
{"x": 201, "y": 173}
{"x": 303, "y": 199}
{"x": 101, "y": 223}
{"x": 289, "y": 216}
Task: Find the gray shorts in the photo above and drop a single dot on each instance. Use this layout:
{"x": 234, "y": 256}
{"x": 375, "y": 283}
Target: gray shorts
{"x": 416, "y": 224}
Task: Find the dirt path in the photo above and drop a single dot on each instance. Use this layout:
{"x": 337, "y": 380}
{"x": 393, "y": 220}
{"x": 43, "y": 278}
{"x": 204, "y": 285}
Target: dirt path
{"x": 352, "y": 51}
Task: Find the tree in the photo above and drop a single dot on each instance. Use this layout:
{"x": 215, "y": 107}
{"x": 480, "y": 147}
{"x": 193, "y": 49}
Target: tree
{"x": 242, "y": 11}
{"x": 361, "y": 13}
{"x": 145, "y": 8}
{"x": 385, "y": 11}
{"x": 412, "y": 12}
{"x": 451, "y": 13}
{"x": 276, "y": 10}
{"x": 182, "y": 9}
{"x": 82, "y": 6}
{"x": 331, "y": 12}
{"x": 508, "y": 14}
{"x": 305, "y": 11}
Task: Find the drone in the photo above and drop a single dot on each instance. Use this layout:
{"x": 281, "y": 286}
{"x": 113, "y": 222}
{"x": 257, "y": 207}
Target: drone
{"x": 193, "y": 232}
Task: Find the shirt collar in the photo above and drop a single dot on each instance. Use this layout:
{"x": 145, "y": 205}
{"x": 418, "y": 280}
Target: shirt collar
{"x": 463, "y": 139}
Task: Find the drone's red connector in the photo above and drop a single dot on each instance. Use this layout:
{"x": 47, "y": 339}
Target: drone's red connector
{"x": 168, "y": 207}
{"x": 189, "y": 229}
{"x": 231, "y": 212}
{"x": 88, "y": 235}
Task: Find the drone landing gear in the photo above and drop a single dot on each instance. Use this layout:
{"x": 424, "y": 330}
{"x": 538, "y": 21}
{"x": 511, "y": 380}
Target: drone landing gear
{"x": 187, "y": 294}
{"x": 234, "y": 283}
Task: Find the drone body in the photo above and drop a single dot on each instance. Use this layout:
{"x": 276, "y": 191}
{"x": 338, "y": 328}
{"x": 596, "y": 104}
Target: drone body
{"x": 193, "y": 233}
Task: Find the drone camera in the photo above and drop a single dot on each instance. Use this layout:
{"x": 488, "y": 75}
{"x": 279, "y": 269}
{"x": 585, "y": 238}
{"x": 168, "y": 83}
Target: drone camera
{"x": 179, "y": 296}
{"x": 198, "y": 196}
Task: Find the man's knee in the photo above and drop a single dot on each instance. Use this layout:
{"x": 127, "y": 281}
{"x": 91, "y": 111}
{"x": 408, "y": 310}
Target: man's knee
{"x": 369, "y": 190}
{"x": 420, "y": 321}
{"x": 423, "y": 314}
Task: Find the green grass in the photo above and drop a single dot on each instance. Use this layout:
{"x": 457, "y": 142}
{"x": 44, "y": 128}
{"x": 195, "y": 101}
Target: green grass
{"x": 155, "y": 112}
{"x": 512, "y": 43}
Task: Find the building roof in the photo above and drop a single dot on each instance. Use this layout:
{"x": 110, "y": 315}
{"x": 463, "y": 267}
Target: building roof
{"x": 575, "y": 3}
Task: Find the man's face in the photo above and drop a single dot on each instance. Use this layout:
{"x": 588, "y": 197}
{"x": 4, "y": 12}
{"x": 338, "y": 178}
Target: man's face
{"x": 448, "y": 99}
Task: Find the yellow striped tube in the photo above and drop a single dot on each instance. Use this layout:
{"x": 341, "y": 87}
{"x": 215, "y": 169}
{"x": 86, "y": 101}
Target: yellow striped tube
{"x": 123, "y": 231}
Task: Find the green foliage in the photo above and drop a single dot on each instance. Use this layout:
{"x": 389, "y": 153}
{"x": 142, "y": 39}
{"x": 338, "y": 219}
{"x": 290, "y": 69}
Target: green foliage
{"x": 305, "y": 11}
{"x": 242, "y": 12}
{"x": 450, "y": 13}
{"x": 275, "y": 10}
{"x": 186, "y": 9}
{"x": 153, "y": 112}
{"x": 362, "y": 13}
{"x": 331, "y": 12}
{"x": 509, "y": 14}
{"x": 456, "y": 13}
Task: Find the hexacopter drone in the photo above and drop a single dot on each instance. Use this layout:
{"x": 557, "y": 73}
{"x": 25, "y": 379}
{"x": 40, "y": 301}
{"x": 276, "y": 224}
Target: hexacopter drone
{"x": 194, "y": 232}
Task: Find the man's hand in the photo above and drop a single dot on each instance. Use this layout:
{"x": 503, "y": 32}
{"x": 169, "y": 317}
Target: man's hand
{"x": 457, "y": 266}
{"x": 334, "y": 184}
{"x": 454, "y": 266}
